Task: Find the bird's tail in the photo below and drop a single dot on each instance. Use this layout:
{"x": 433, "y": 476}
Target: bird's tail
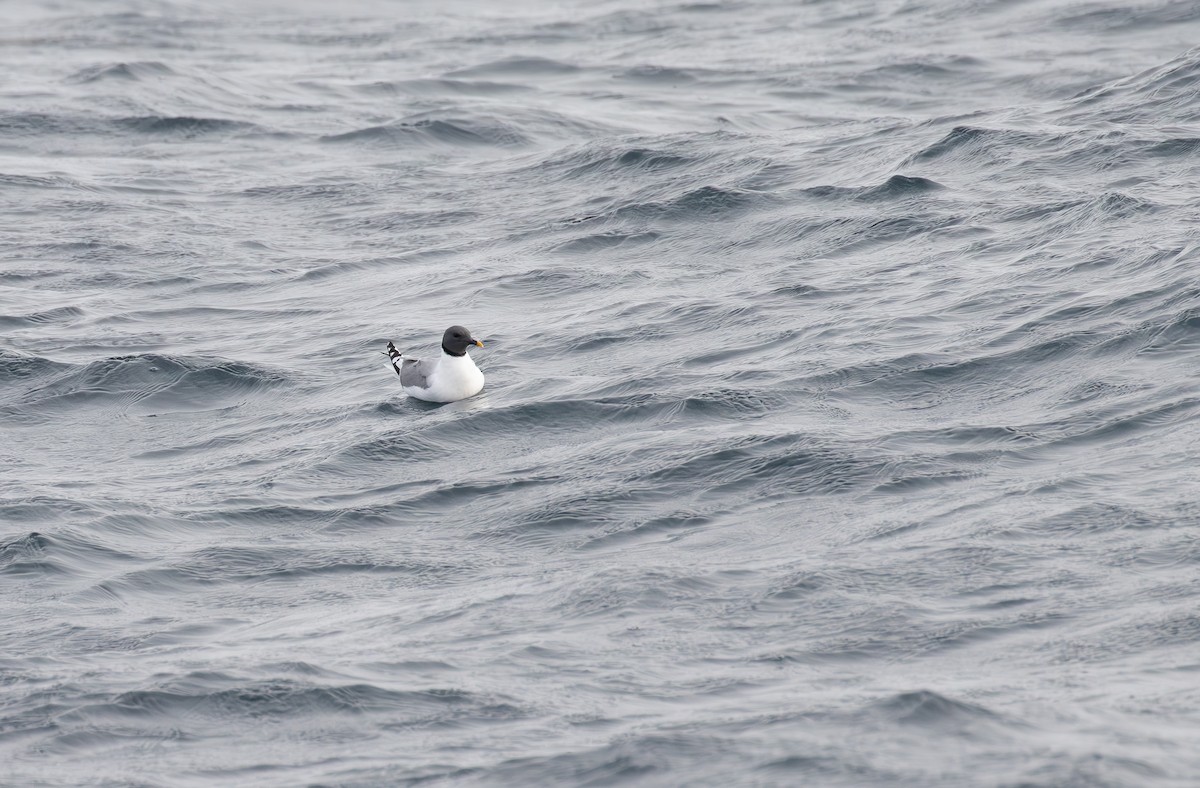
{"x": 395, "y": 356}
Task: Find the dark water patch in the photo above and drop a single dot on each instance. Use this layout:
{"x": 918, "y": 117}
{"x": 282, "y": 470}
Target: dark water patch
{"x": 926, "y": 708}
{"x": 38, "y": 555}
{"x": 184, "y": 127}
{"x": 299, "y": 668}
{"x": 400, "y": 445}
{"x": 1092, "y": 391}
{"x": 459, "y": 493}
{"x": 895, "y": 187}
{"x": 220, "y": 566}
{"x": 545, "y": 419}
{"x": 804, "y": 583}
{"x": 156, "y": 282}
{"x": 958, "y": 138}
{"x": 343, "y": 267}
{"x": 901, "y": 634}
{"x": 1160, "y": 95}
{"x": 38, "y": 124}
{"x": 848, "y": 235}
{"x": 901, "y": 186}
{"x": 210, "y": 699}
{"x": 1178, "y": 146}
{"x": 62, "y": 314}
{"x": 603, "y": 241}
{"x": 453, "y": 133}
{"x": 635, "y": 158}
{"x": 405, "y": 221}
{"x": 27, "y": 555}
{"x": 618, "y": 23}
{"x": 557, "y": 281}
{"x": 711, "y": 200}
{"x": 356, "y": 519}
{"x": 977, "y": 437}
{"x": 978, "y": 144}
{"x": 520, "y": 67}
{"x": 1179, "y": 333}
{"x": 126, "y": 72}
{"x": 1094, "y": 518}
{"x": 320, "y": 193}
{"x": 578, "y": 518}
{"x": 1170, "y": 628}
{"x": 788, "y": 464}
{"x": 706, "y": 203}
{"x": 714, "y": 7}
{"x": 920, "y": 381}
{"x": 1119, "y": 424}
{"x": 734, "y": 403}
{"x": 21, "y": 368}
{"x": 928, "y": 69}
{"x": 659, "y": 75}
{"x": 38, "y": 181}
{"x": 1107, "y": 327}
{"x": 632, "y": 530}
{"x": 771, "y": 176}
{"x": 155, "y": 384}
{"x": 1182, "y": 552}
{"x": 967, "y": 568}
{"x": 44, "y": 509}
{"x": 393, "y": 669}
{"x": 212, "y": 444}
{"x": 795, "y": 767}
{"x": 797, "y": 291}
{"x": 1115, "y": 205}
{"x": 141, "y": 527}
{"x": 922, "y": 475}
{"x": 95, "y": 251}
{"x": 713, "y": 314}
{"x": 442, "y": 87}
{"x": 350, "y": 40}
{"x": 237, "y": 513}
{"x": 628, "y": 759}
{"x": 216, "y": 285}
{"x": 1115, "y": 20}
{"x": 1093, "y": 768}
{"x": 605, "y": 341}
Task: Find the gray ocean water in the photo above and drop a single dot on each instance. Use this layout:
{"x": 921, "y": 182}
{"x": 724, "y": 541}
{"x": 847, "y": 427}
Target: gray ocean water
{"x": 840, "y": 427}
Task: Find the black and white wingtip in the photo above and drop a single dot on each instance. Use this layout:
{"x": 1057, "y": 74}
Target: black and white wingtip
{"x": 395, "y": 356}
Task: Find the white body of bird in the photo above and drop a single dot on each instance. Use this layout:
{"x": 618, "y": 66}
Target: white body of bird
{"x": 451, "y": 378}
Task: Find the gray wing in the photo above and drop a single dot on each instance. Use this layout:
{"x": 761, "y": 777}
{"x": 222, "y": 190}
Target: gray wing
{"x": 416, "y": 372}
{"x": 412, "y": 371}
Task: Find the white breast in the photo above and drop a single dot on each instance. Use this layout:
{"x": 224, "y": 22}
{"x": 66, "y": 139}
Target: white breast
{"x": 454, "y": 378}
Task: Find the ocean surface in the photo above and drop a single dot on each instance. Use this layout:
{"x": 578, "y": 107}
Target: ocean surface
{"x": 842, "y": 411}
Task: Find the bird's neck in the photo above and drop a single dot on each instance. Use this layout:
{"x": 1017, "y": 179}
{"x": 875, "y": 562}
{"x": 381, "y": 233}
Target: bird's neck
{"x": 459, "y": 360}
{"x": 453, "y": 354}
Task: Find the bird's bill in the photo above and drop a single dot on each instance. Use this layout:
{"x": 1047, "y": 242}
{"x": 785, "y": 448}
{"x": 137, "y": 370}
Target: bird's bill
{"x": 478, "y": 343}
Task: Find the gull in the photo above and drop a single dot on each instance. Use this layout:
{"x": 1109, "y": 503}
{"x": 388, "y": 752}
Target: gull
{"x": 450, "y": 377}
